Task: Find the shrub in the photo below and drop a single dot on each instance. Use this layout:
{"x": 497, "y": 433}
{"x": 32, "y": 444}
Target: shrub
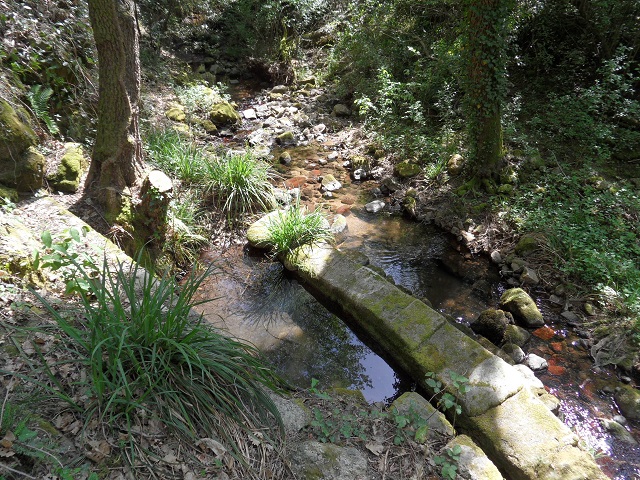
{"x": 239, "y": 184}
{"x": 147, "y": 357}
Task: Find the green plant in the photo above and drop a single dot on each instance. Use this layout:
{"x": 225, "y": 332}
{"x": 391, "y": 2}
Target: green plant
{"x": 240, "y": 185}
{"x": 198, "y": 98}
{"x": 39, "y": 99}
{"x": 186, "y": 235}
{"x": 176, "y": 155}
{"x": 146, "y": 356}
{"x": 63, "y": 257}
{"x": 449, "y": 462}
{"x": 447, "y": 400}
{"x": 294, "y": 227}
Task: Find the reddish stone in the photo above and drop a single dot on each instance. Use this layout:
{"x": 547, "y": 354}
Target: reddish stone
{"x": 344, "y": 210}
{"x": 557, "y": 346}
{"x": 295, "y": 182}
{"x": 545, "y": 333}
{"x": 316, "y": 173}
{"x": 556, "y": 370}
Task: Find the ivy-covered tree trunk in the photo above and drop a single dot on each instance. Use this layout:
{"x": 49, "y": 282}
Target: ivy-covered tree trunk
{"x": 117, "y": 155}
{"x": 485, "y": 83}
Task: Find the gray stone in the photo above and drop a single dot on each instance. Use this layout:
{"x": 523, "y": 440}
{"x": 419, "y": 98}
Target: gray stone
{"x": 330, "y": 184}
{"x": 514, "y": 351}
{"x": 391, "y": 184}
{"x": 531, "y": 381}
{"x": 375, "y": 206}
{"x": 551, "y": 402}
{"x": 315, "y": 460}
{"x": 529, "y": 276}
{"x": 628, "y": 400}
{"x": 571, "y": 317}
{"x": 535, "y": 362}
{"x": 294, "y": 416}
{"x": 516, "y": 335}
{"x": 455, "y": 164}
{"x": 496, "y": 257}
{"x": 473, "y": 463}
{"x": 280, "y": 89}
{"x": 620, "y": 419}
{"x": 333, "y": 156}
{"x": 414, "y": 404}
{"x": 249, "y": 114}
{"x": 319, "y": 128}
{"x": 491, "y": 324}
{"x": 339, "y": 227}
{"x": 286, "y": 138}
{"x": 359, "y": 174}
{"x": 556, "y": 300}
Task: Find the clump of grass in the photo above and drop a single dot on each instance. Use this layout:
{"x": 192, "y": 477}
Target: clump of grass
{"x": 294, "y": 227}
{"x": 176, "y": 155}
{"x": 240, "y": 185}
{"x": 147, "y": 357}
{"x": 186, "y": 235}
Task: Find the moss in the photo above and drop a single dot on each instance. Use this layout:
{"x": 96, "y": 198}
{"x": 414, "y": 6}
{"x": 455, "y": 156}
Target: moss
{"x": 224, "y": 114}
{"x": 526, "y": 245}
{"x": 70, "y": 170}
{"x": 407, "y": 169}
{"x": 176, "y": 114}
{"x": 10, "y": 194}
{"x": 15, "y": 135}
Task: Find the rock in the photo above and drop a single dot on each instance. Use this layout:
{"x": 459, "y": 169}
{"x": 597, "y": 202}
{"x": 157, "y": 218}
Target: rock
{"x": 10, "y": 194}
{"x": 339, "y": 227}
{"x": 473, "y": 463}
{"x": 286, "y": 138}
{"x": 492, "y": 325}
{"x": 535, "y": 362}
{"x": 496, "y": 257}
{"x": 16, "y": 136}
{"x": 556, "y": 300}
{"x": 224, "y": 113}
{"x": 320, "y": 128}
{"x": 522, "y": 306}
{"x": 333, "y": 156}
{"x": 411, "y": 403}
{"x": 628, "y": 400}
{"x": 514, "y": 351}
{"x": 589, "y": 309}
{"x": 527, "y": 245}
{"x": 176, "y": 114}
{"x": 390, "y": 184}
{"x": 24, "y": 172}
{"x": 618, "y": 431}
{"x": 516, "y": 335}
{"x": 531, "y": 381}
{"x": 285, "y": 158}
{"x": 155, "y": 194}
{"x": 375, "y": 206}
{"x": 341, "y": 110}
{"x": 359, "y": 174}
{"x": 571, "y": 317}
{"x": 72, "y": 166}
{"x": 620, "y": 419}
{"x": 315, "y": 460}
{"x": 293, "y": 413}
{"x": 258, "y": 232}
{"x": 330, "y": 184}
{"x": 529, "y": 276}
{"x": 209, "y": 126}
{"x": 280, "y": 89}
{"x": 455, "y": 164}
{"x": 407, "y": 169}
{"x": 551, "y": 402}
{"x": 249, "y": 114}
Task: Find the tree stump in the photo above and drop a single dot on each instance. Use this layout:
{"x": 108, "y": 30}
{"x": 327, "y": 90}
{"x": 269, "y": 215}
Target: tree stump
{"x": 155, "y": 195}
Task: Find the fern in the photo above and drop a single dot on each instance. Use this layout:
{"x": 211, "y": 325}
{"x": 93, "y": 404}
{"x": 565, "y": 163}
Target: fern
{"x": 39, "y": 98}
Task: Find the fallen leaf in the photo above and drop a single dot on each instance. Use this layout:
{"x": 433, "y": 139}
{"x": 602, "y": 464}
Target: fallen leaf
{"x": 375, "y": 448}
{"x": 6, "y": 453}
{"x": 216, "y": 447}
{"x": 7, "y": 441}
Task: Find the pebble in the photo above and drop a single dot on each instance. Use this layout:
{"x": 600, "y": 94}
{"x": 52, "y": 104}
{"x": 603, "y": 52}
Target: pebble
{"x": 375, "y": 206}
{"x": 535, "y": 362}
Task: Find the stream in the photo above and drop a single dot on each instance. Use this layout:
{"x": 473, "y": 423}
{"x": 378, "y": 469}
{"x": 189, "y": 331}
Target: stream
{"x": 255, "y": 299}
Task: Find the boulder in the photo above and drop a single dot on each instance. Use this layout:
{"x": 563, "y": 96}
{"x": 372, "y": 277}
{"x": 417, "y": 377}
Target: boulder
{"x": 375, "y": 206}
{"x": 412, "y": 404}
{"x": 341, "y": 110}
{"x": 527, "y": 245}
{"x": 516, "y": 335}
{"x": 330, "y": 183}
{"x": 286, "y": 138}
{"x": 492, "y": 325}
{"x": 473, "y": 463}
{"x": 407, "y": 169}
{"x": 455, "y": 164}
{"x": 514, "y": 351}
{"x": 224, "y": 113}
{"x": 16, "y": 136}
{"x": 628, "y": 400}
{"x": 536, "y": 362}
{"x": 522, "y": 306}
{"x": 24, "y": 172}
{"x": 316, "y": 460}
{"x": 258, "y": 232}
{"x": 176, "y": 114}
{"x": 72, "y": 166}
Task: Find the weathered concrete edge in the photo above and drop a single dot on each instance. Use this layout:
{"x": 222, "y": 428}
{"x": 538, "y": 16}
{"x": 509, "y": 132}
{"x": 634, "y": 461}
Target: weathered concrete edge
{"x": 523, "y": 438}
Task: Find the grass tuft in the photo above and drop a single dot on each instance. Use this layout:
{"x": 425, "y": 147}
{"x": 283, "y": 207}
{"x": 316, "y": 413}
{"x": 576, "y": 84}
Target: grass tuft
{"x": 294, "y": 227}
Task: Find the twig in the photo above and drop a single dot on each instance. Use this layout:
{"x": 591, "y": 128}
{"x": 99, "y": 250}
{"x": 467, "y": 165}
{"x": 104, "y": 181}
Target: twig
{"x": 7, "y": 467}
{"x": 384, "y": 465}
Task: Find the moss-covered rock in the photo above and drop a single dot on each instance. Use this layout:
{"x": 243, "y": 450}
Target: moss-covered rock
{"x": 407, "y": 169}
{"x": 176, "y": 114}
{"x": 628, "y": 400}
{"x": 72, "y": 166}
{"x": 516, "y": 335}
{"x": 224, "y": 113}
{"x": 16, "y": 136}
{"x": 10, "y": 194}
{"x": 286, "y": 138}
{"x": 492, "y": 325}
{"x": 25, "y": 173}
{"x": 472, "y": 462}
{"x": 522, "y": 306}
{"x": 527, "y": 245}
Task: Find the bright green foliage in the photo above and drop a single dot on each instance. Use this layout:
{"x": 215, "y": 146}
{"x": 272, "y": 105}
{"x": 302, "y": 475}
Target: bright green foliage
{"x": 39, "y": 99}
{"x": 145, "y": 354}
{"x": 295, "y": 227}
{"x": 239, "y": 185}
{"x": 176, "y": 155}
{"x": 198, "y": 99}
{"x": 449, "y": 462}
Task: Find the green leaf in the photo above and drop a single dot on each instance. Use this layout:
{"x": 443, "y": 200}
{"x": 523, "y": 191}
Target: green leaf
{"x": 46, "y": 238}
{"x": 75, "y": 234}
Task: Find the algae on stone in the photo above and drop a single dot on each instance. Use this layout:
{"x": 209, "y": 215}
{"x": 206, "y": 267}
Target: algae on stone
{"x": 522, "y": 306}
{"x": 224, "y": 113}
{"x": 72, "y": 166}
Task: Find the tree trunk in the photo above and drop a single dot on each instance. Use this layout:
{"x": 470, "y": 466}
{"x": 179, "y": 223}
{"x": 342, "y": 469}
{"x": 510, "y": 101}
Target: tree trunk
{"x": 485, "y": 83}
{"x": 117, "y": 155}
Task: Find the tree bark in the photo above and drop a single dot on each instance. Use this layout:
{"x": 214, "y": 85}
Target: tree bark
{"x": 117, "y": 155}
{"x": 485, "y": 83}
